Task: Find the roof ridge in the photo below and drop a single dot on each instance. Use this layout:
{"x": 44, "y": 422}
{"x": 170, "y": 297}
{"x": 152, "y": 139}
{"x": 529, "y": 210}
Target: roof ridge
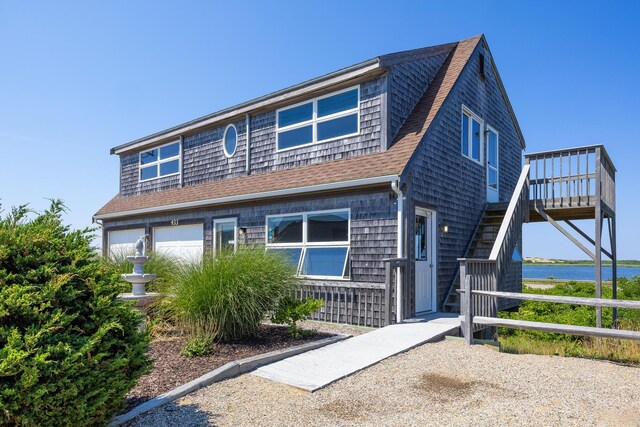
{"x": 417, "y": 124}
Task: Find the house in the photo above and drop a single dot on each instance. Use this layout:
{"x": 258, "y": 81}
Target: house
{"x": 373, "y": 180}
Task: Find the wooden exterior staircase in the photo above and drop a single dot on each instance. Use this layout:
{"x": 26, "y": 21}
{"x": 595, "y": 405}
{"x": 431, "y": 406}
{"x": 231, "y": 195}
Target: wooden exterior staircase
{"x": 479, "y": 247}
{"x": 554, "y": 186}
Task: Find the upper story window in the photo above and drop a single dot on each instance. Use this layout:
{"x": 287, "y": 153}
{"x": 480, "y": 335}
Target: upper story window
{"x": 471, "y": 136}
{"x": 230, "y": 140}
{"x": 161, "y": 161}
{"x": 316, "y": 243}
{"x": 322, "y": 119}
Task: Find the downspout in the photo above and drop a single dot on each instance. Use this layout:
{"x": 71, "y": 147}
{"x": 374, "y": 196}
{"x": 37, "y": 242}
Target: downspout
{"x": 395, "y": 186}
{"x": 181, "y": 183}
{"x": 248, "y": 149}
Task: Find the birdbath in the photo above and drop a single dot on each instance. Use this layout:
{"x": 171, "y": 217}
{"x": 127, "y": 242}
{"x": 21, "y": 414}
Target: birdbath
{"x": 138, "y": 278}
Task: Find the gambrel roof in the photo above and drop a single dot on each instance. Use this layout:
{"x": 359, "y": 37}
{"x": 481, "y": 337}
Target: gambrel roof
{"x": 359, "y": 171}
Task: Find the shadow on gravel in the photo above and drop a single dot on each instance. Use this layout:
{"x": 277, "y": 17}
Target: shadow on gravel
{"x": 446, "y": 388}
{"x": 172, "y": 414}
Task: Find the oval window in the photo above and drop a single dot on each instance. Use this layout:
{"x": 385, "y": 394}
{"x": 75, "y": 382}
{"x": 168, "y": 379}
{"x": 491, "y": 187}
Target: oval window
{"x": 230, "y": 140}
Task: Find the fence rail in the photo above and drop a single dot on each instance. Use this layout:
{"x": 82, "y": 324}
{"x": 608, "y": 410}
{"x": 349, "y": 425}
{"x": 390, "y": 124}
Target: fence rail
{"x": 470, "y": 320}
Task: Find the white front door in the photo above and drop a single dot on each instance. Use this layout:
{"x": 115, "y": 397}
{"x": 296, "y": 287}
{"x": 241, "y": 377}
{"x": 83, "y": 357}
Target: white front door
{"x": 425, "y": 246}
{"x": 224, "y": 235}
{"x": 492, "y": 166}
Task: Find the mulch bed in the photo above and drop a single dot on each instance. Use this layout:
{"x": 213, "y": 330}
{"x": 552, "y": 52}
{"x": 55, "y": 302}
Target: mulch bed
{"x": 170, "y": 369}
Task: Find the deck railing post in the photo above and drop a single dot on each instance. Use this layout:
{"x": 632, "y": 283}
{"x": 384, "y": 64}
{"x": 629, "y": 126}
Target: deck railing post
{"x": 387, "y": 292}
{"x": 467, "y": 306}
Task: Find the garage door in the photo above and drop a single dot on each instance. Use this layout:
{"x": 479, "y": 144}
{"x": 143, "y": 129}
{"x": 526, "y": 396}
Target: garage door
{"x": 123, "y": 242}
{"x": 184, "y": 242}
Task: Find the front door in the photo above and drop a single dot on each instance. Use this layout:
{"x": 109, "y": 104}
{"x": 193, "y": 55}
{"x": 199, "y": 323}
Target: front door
{"x": 424, "y": 245}
{"x": 224, "y": 235}
{"x": 492, "y": 166}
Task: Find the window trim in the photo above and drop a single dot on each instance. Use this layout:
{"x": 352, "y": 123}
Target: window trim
{"x": 227, "y": 220}
{"x": 466, "y": 112}
{"x": 315, "y": 120}
{"x": 490, "y": 128}
{"x": 224, "y": 139}
{"x": 304, "y": 244}
{"x": 158, "y": 162}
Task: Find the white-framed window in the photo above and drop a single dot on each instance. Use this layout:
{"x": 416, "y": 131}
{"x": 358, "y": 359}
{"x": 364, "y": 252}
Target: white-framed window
{"x": 225, "y": 235}
{"x": 472, "y": 136}
{"x": 230, "y": 140}
{"x": 322, "y": 119}
{"x": 160, "y": 161}
{"x": 316, "y": 243}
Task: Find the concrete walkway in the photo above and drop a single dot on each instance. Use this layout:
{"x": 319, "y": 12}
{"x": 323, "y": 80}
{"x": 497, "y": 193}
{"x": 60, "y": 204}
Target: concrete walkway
{"x": 318, "y": 368}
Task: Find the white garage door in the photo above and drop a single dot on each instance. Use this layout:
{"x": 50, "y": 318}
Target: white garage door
{"x": 123, "y": 242}
{"x": 184, "y": 242}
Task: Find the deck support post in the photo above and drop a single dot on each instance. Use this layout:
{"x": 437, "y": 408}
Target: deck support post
{"x": 614, "y": 265}
{"x": 598, "y": 251}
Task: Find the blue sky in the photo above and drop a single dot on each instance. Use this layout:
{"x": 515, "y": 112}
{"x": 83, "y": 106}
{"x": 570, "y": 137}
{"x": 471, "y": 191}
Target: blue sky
{"x": 77, "y": 78}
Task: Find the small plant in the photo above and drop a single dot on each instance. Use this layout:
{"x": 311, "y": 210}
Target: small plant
{"x": 198, "y": 346}
{"x": 290, "y": 311}
{"x": 228, "y": 296}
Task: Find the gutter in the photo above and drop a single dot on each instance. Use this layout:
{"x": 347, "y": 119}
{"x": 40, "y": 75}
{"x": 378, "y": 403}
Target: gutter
{"x": 252, "y": 196}
{"x": 395, "y": 186}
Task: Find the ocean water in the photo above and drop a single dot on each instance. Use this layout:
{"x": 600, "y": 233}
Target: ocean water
{"x": 582, "y": 272}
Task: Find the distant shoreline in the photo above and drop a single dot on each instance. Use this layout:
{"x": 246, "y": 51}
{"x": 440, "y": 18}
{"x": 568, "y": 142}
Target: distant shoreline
{"x": 579, "y": 263}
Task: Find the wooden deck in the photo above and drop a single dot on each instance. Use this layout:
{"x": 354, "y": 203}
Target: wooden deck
{"x": 571, "y": 184}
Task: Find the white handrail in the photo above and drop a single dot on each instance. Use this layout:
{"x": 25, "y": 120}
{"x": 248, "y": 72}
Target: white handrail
{"x": 504, "y": 227}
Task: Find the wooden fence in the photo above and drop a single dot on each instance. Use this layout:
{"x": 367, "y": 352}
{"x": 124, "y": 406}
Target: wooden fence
{"x": 362, "y": 304}
{"x": 475, "y": 301}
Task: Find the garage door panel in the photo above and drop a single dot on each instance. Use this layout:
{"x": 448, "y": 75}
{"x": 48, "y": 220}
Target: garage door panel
{"x": 184, "y": 242}
{"x": 123, "y": 242}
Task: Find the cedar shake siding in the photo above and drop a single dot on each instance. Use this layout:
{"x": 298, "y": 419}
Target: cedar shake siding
{"x": 407, "y": 82}
{"x": 264, "y": 157}
{"x": 440, "y": 178}
{"x": 204, "y": 160}
{"x": 373, "y": 226}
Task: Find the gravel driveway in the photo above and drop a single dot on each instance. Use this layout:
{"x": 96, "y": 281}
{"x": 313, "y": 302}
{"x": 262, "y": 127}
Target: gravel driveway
{"x": 444, "y": 383}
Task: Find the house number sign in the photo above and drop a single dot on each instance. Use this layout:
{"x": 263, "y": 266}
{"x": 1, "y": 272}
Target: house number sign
{"x": 175, "y": 222}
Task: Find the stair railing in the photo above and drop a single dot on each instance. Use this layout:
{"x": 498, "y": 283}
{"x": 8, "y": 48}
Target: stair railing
{"x": 486, "y": 274}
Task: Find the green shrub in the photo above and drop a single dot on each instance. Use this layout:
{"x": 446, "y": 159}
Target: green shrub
{"x": 198, "y": 346}
{"x": 229, "y": 295}
{"x": 164, "y": 266}
{"x": 629, "y": 288}
{"x": 69, "y": 349}
{"x": 290, "y": 311}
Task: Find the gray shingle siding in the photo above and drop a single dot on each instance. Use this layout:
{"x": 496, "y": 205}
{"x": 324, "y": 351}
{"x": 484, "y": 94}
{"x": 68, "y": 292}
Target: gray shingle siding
{"x": 204, "y": 159}
{"x": 373, "y": 225}
{"x": 440, "y": 178}
{"x": 129, "y": 184}
{"x": 265, "y": 158}
{"x": 407, "y": 82}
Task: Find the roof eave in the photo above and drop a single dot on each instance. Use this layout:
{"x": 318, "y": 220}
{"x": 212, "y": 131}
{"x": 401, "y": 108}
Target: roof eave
{"x": 369, "y": 67}
{"x": 318, "y": 188}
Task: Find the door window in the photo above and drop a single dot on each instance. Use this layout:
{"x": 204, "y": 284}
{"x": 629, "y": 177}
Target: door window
{"x": 225, "y": 236}
{"x": 421, "y": 238}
